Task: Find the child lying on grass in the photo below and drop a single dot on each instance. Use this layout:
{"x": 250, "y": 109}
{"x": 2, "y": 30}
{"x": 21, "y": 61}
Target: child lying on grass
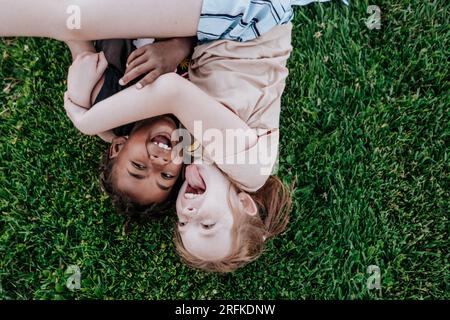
{"x": 94, "y": 77}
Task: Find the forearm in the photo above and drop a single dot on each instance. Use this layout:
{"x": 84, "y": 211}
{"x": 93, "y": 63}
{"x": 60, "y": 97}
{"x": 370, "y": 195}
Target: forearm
{"x": 168, "y": 94}
{"x": 80, "y": 19}
{"x": 127, "y": 106}
{"x": 107, "y": 136}
{"x": 78, "y": 47}
{"x": 185, "y": 46}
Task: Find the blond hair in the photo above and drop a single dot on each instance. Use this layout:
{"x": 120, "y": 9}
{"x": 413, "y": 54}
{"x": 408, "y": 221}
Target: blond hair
{"x": 274, "y": 202}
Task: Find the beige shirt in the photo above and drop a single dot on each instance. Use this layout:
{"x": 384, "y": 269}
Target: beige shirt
{"x": 249, "y": 79}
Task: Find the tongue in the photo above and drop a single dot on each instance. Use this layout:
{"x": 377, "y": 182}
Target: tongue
{"x": 194, "y": 179}
{"x": 161, "y": 139}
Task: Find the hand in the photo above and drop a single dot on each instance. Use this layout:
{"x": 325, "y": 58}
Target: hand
{"x": 156, "y": 59}
{"x": 84, "y": 73}
{"x": 74, "y": 111}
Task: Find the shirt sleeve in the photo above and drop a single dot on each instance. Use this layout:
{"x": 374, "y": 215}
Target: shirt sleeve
{"x": 251, "y": 168}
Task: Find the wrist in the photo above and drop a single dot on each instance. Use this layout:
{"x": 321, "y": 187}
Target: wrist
{"x": 79, "y": 100}
{"x": 96, "y": 90}
{"x": 185, "y": 46}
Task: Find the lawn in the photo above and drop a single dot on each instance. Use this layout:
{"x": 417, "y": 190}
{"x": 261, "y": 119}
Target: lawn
{"x": 365, "y": 135}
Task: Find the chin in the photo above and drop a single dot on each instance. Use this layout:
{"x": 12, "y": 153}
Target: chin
{"x": 164, "y": 127}
{"x": 165, "y": 121}
{"x": 157, "y": 122}
{"x": 211, "y": 171}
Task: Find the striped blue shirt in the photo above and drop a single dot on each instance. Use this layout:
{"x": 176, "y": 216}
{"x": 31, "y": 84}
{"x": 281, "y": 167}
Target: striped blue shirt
{"x": 244, "y": 20}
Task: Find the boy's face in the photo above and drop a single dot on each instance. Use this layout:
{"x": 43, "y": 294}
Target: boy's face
{"x": 145, "y": 168}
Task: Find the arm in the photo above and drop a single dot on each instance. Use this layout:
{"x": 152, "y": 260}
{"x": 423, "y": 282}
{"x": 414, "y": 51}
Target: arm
{"x": 107, "y": 136}
{"x": 156, "y": 59}
{"x": 78, "y": 47}
{"x": 85, "y": 76}
{"x": 170, "y": 93}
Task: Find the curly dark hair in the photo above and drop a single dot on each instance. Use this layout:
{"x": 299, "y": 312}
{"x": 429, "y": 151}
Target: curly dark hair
{"x": 134, "y": 212}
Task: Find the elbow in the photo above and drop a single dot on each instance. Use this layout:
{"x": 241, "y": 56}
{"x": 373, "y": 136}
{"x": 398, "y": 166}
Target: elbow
{"x": 86, "y": 130}
{"x": 168, "y": 87}
{"x": 91, "y": 133}
{"x": 170, "y": 83}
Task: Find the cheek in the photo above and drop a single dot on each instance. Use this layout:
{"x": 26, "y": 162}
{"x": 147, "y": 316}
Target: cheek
{"x": 179, "y": 205}
{"x": 228, "y": 219}
{"x": 177, "y": 168}
{"x": 126, "y": 154}
{"x": 120, "y": 177}
{"x": 149, "y": 195}
{"x": 160, "y": 197}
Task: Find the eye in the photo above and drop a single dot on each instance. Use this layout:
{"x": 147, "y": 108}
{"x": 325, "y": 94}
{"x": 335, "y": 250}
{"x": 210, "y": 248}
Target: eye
{"x": 208, "y": 226}
{"x": 167, "y": 176}
{"x": 181, "y": 224}
{"x": 138, "y": 165}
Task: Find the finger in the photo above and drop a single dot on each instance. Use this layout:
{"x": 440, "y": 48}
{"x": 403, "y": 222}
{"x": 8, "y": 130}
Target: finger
{"x": 68, "y": 100}
{"x": 149, "y": 79}
{"x": 89, "y": 60}
{"x": 66, "y": 97}
{"x": 135, "y": 54}
{"x": 74, "y": 111}
{"x": 134, "y": 73}
{"x": 101, "y": 57}
{"x": 136, "y": 62}
{"x": 82, "y": 55}
{"x": 89, "y": 56}
{"x": 102, "y": 63}
{"x": 67, "y": 105}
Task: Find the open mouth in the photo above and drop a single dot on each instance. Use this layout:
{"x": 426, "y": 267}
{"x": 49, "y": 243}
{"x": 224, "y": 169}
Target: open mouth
{"x": 162, "y": 142}
{"x": 195, "y": 184}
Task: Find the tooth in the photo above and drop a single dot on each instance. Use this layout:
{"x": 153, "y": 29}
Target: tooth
{"x": 189, "y": 195}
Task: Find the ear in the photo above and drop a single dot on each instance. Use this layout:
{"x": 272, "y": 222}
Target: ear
{"x": 116, "y": 146}
{"x": 247, "y": 204}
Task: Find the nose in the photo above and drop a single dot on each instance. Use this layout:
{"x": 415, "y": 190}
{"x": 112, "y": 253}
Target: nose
{"x": 189, "y": 212}
{"x": 157, "y": 155}
{"x": 159, "y": 159}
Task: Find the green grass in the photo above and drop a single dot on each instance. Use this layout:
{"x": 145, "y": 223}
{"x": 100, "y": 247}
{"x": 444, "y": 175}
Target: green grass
{"x": 365, "y": 134}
